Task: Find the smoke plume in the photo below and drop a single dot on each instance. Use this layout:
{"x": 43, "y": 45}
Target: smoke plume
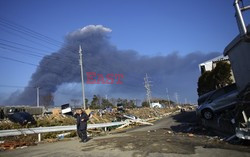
{"x": 173, "y": 71}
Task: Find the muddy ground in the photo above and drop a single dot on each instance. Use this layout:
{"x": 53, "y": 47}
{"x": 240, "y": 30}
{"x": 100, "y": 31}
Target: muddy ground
{"x": 176, "y": 135}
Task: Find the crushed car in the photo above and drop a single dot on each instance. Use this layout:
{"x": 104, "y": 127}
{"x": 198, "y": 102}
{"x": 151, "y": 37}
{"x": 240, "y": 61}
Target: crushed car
{"x": 22, "y": 118}
{"x": 217, "y": 101}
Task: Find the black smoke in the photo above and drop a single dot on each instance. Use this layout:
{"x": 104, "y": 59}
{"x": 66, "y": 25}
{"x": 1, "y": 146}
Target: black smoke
{"x": 173, "y": 71}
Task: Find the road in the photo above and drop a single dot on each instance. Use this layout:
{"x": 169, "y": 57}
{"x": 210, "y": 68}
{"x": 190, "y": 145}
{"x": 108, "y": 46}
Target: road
{"x": 165, "y": 138}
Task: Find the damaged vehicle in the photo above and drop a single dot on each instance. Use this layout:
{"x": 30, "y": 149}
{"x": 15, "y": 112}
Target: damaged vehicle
{"x": 217, "y": 101}
{"x": 22, "y": 118}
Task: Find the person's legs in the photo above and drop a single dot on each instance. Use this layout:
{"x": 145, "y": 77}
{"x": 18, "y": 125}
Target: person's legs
{"x": 79, "y": 133}
{"x": 84, "y": 135}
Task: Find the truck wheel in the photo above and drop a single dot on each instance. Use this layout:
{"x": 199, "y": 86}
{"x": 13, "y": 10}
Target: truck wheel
{"x": 207, "y": 114}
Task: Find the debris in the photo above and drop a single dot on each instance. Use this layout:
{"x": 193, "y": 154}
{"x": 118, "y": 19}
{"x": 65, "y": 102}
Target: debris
{"x": 230, "y": 138}
{"x": 233, "y": 121}
{"x": 189, "y": 129}
{"x": 191, "y": 135}
{"x": 23, "y": 147}
{"x": 170, "y": 132}
{"x": 8, "y": 145}
{"x": 123, "y": 126}
{"x": 130, "y": 117}
{"x": 56, "y": 111}
{"x": 66, "y": 109}
{"x": 61, "y": 136}
{"x": 142, "y": 122}
{"x": 183, "y": 110}
{"x": 136, "y": 116}
{"x": 243, "y": 133}
{"x": 22, "y": 118}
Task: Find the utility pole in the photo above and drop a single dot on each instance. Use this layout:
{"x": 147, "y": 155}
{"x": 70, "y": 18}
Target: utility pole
{"x": 81, "y": 65}
{"x": 168, "y": 97}
{"x": 135, "y": 102}
{"x": 147, "y": 85}
{"x": 37, "y": 96}
{"x": 176, "y": 97}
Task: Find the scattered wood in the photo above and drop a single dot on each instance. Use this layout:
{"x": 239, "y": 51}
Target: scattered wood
{"x": 8, "y": 145}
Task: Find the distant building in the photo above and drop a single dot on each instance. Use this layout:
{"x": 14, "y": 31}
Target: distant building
{"x": 210, "y": 64}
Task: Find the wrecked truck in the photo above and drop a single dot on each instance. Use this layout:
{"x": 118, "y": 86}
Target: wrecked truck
{"x": 238, "y": 51}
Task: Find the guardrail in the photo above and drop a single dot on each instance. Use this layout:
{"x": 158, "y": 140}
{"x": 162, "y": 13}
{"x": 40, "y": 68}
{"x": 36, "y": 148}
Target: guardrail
{"x": 39, "y": 130}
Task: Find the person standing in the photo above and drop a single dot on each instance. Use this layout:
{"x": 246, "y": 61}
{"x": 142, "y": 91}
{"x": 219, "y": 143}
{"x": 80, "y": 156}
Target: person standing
{"x": 76, "y": 115}
{"x": 82, "y": 120}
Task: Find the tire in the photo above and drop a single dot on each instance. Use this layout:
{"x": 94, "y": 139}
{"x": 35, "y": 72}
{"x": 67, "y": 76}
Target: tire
{"x": 207, "y": 114}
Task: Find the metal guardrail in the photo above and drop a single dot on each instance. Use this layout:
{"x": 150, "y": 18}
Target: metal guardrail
{"x": 39, "y": 130}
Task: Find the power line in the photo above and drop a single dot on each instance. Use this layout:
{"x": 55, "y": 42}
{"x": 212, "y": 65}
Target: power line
{"x": 37, "y": 35}
{"x": 24, "y": 51}
{"x": 31, "y": 33}
{"x": 24, "y": 46}
{"x": 27, "y": 31}
{"x": 24, "y": 62}
{"x": 15, "y": 60}
{"x": 15, "y": 86}
{"x": 32, "y": 41}
{"x": 24, "y": 30}
{"x": 34, "y": 34}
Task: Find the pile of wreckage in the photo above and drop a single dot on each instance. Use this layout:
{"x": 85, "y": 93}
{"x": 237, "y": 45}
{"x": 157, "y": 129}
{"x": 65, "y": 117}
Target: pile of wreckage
{"x": 140, "y": 116}
{"x": 231, "y": 104}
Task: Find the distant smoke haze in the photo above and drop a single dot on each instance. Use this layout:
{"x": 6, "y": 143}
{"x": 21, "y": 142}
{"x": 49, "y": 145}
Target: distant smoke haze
{"x": 61, "y": 69}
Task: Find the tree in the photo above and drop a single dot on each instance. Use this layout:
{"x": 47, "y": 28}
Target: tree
{"x": 222, "y": 74}
{"x": 145, "y": 104}
{"x": 219, "y": 77}
{"x": 113, "y": 101}
{"x": 95, "y": 103}
{"x": 206, "y": 83}
{"x": 106, "y": 103}
{"x": 86, "y": 102}
{"x": 129, "y": 104}
{"x": 119, "y": 101}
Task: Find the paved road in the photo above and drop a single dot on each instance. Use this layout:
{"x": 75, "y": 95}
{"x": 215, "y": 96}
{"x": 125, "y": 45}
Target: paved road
{"x": 157, "y": 140}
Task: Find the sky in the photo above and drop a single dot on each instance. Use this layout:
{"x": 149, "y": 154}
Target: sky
{"x": 149, "y": 27}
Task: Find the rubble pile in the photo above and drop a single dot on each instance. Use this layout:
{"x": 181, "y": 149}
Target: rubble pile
{"x": 145, "y": 113}
{"x": 133, "y": 117}
{"x": 98, "y": 116}
{"x": 17, "y": 142}
{"x": 13, "y": 145}
{"x": 54, "y": 120}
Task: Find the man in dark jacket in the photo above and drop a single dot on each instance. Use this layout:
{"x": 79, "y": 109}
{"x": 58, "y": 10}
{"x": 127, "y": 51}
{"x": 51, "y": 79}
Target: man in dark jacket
{"x": 82, "y": 125}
